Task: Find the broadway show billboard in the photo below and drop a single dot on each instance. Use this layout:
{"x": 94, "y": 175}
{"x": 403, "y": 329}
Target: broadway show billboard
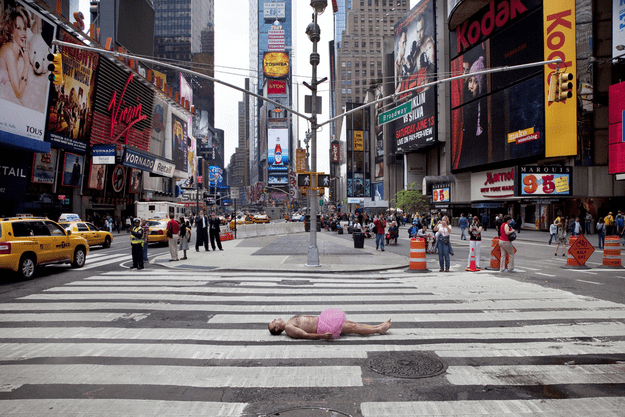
{"x": 71, "y": 103}
{"x": 24, "y": 83}
{"x": 415, "y": 64}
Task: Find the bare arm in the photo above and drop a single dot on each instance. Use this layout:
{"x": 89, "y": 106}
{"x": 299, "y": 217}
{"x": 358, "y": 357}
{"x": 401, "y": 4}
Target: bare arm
{"x": 297, "y": 333}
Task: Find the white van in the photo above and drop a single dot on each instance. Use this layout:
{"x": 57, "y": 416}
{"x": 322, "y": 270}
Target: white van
{"x": 69, "y": 217}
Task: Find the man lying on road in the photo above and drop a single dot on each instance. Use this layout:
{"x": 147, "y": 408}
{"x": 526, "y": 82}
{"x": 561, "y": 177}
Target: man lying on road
{"x": 330, "y": 324}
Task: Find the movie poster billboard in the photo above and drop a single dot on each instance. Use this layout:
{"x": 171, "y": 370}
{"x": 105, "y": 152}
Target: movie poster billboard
{"x": 24, "y": 83}
{"x": 415, "y": 64}
{"x": 72, "y": 169}
{"x": 44, "y": 167}
{"x": 186, "y": 92}
{"x": 278, "y": 154}
{"x": 97, "y": 174}
{"x": 158, "y": 135}
{"x": 71, "y": 103}
{"x": 179, "y": 143}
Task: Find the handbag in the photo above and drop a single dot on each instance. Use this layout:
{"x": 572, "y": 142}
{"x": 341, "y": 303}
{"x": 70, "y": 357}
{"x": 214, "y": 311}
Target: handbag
{"x": 169, "y": 233}
{"x": 445, "y": 240}
{"x": 512, "y": 236}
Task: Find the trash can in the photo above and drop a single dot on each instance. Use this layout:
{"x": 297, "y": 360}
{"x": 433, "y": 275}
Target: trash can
{"x": 359, "y": 240}
{"x": 307, "y": 223}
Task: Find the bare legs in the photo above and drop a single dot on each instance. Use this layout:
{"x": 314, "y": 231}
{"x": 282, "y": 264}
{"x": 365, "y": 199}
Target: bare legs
{"x": 364, "y": 329}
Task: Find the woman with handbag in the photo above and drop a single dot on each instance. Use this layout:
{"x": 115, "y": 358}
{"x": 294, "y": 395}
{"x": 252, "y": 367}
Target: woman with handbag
{"x": 185, "y": 237}
{"x": 443, "y": 233}
{"x": 505, "y": 245}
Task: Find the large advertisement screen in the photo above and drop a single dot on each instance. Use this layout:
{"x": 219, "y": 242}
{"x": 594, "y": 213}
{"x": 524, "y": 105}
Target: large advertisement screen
{"x": 278, "y": 142}
{"x": 71, "y": 103}
{"x": 616, "y": 114}
{"x": 180, "y": 143}
{"x": 415, "y": 64}
{"x": 498, "y": 117}
{"x": 25, "y": 43}
{"x": 545, "y": 180}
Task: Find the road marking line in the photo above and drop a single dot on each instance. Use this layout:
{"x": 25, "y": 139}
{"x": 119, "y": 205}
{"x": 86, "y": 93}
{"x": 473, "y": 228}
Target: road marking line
{"x": 584, "y": 272}
{"x": 546, "y": 275}
{"x": 589, "y": 282}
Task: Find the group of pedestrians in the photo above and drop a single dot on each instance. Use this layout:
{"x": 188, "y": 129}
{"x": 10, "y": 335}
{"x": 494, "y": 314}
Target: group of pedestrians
{"x": 179, "y": 235}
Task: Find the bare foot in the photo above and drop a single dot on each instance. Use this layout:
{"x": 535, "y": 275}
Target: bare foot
{"x": 385, "y": 326}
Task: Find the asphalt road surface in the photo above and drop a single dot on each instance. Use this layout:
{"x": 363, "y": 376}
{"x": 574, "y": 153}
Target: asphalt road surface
{"x": 106, "y": 340}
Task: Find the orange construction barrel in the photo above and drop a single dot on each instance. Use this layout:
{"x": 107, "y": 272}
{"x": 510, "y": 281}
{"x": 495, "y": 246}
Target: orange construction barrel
{"x": 612, "y": 252}
{"x": 495, "y": 254}
{"x": 417, "y": 256}
{"x": 570, "y": 260}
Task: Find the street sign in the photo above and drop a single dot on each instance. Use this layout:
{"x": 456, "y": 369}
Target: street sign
{"x": 396, "y": 113}
{"x": 300, "y": 160}
{"x": 496, "y": 252}
{"x": 581, "y": 250}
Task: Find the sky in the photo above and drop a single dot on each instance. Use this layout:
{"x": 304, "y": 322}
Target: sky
{"x": 232, "y": 66}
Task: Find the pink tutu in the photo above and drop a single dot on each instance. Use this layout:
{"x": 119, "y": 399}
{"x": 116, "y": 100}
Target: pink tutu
{"x": 331, "y": 321}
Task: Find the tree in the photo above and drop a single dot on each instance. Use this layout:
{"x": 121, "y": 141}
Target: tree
{"x": 411, "y": 200}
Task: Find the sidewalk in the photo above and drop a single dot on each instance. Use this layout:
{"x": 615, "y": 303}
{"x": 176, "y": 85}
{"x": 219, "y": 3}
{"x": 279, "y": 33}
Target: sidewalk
{"x": 289, "y": 253}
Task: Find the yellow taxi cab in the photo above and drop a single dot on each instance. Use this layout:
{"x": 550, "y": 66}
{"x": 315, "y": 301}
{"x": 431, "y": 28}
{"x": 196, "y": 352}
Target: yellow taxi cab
{"x": 261, "y": 218}
{"x": 29, "y": 242}
{"x": 241, "y": 219}
{"x": 158, "y": 230}
{"x": 92, "y": 234}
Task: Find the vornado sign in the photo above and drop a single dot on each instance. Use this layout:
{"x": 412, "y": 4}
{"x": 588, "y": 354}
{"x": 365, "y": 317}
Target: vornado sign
{"x": 276, "y": 64}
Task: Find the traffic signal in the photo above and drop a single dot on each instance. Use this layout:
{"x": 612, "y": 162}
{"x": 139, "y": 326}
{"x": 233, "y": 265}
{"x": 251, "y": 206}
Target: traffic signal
{"x": 565, "y": 86}
{"x": 554, "y": 85}
{"x": 56, "y": 68}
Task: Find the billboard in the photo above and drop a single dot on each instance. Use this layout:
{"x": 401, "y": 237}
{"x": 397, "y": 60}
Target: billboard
{"x": 278, "y": 154}
{"x": 545, "y": 180}
{"x": 276, "y": 64}
{"x": 616, "y": 140}
{"x": 71, "y": 104}
{"x": 24, "y": 83}
{"x": 415, "y": 64}
{"x": 559, "y": 37}
{"x": 186, "y": 92}
{"x": 180, "y": 143}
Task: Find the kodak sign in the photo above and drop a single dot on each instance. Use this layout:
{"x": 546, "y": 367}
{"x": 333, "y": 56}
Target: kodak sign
{"x": 559, "y": 42}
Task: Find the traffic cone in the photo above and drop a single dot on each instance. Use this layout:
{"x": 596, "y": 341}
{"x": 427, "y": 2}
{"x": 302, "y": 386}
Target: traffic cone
{"x": 472, "y": 266}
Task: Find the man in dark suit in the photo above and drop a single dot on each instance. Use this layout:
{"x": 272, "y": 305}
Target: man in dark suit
{"x": 214, "y": 231}
{"x": 201, "y": 231}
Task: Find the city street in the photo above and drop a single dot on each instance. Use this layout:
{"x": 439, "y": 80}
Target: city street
{"x": 105, "y": 340}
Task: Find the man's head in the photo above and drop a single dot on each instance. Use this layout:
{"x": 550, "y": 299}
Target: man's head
{"x": 276, "y": 327}
{"x": 137, "y": 221}
{"x": 171, "y": 216}
{"x": 420, "y": 30}
{"x": 201, "y": 213}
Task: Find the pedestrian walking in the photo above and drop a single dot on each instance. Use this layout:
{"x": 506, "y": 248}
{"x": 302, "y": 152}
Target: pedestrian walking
{"x": 475, "y": 242}
{"x": 600, "y": 228}
{"x": 485, "y": 221}
{"x": 506, "y": 245}
{"x": 588, "y": 222}
{"x": 577, "y": 227}
{"x": 214, "y": 224}
{"x": 173, "y": 233}
{"x": 443, "y": 236}
{"x": 380, "y": 225}
{"x": 562, "y": 236}
{"x": 609, "y": 224}
{"x": 553, "y": 232}
{"x": 146, "y": 239}
{"x": 128, "y": 225}
{"x": 136, "y": 243}
{"x": 185, "y": 236}
{"x": 201, "y": 231}
{"x": 463, "y": 223}
{"x": 620, "y": 226}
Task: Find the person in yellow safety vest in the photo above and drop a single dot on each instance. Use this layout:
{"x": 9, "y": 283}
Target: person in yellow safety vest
{"x": 136, "y": 242}
{"x": 609, "y": 224}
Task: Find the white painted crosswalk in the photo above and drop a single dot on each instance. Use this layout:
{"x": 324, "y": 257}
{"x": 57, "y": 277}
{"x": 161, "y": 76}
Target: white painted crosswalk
{"x": 196, "y": 343}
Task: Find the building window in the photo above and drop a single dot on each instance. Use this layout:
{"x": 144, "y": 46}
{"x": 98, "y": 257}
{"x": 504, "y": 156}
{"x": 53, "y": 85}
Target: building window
{"x": 364, "y": 73}
{"x": 349, "y": 91}
{"x": 342, "y": 90}
{"x": 349, "y": 64}
{"x": 349, "y": 74}
{"x": 357, "y": 73}
{"x": 342, "y": 64}
{"x": 343, "y": 73}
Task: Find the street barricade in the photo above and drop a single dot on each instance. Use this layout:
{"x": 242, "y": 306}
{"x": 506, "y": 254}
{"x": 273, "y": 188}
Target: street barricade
{"x": 612, "y": 253}
{"x": 418, "y": 262}
{"x": 495, "y": 255}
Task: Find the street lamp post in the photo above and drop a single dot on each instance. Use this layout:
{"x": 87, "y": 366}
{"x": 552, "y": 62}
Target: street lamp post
{"x": 314, "y": 34}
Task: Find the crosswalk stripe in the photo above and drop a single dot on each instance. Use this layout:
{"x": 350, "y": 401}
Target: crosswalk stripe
{"x": 188, "y": 376}
{"x": 599, "y": 406}
{"x": 121, "y": 258}
{"x": 548, "y": 332}
{"x": 119, "y": 407}
{"x": 535, "y": 375}
{"x": 69, "y": 317}
{"x": 284, "y": 349}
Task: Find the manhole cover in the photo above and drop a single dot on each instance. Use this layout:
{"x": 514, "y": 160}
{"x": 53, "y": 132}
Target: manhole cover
{"x": 307, "y": 412}
{"x": 406, "y": 365}
{"x": 294, "y": 282}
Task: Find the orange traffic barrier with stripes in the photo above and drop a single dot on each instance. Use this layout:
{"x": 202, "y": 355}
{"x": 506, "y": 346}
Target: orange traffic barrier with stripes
{"x": 570, "y": 260}
{"x": 612, "y": 252}
{"x": 495, "y": 255}
{"x": 417, "y": 256}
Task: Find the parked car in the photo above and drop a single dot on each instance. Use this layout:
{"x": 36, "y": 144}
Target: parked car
{"x": 29, "y": 242}
{"x": 92, "y": 234}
